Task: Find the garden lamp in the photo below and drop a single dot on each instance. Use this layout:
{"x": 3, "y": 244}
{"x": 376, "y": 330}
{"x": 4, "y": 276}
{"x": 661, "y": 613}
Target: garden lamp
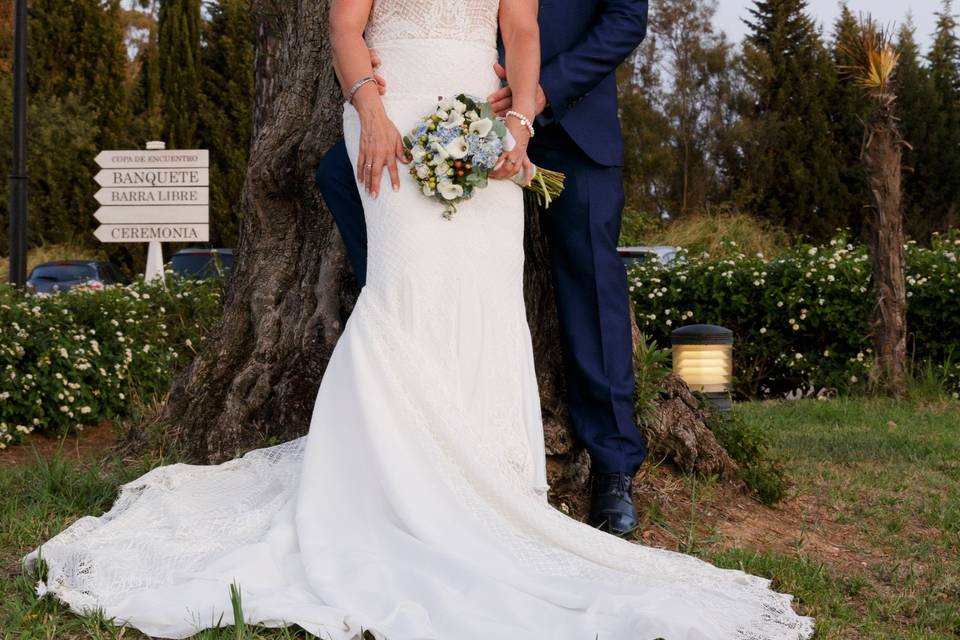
{"x": 703, "y": 358}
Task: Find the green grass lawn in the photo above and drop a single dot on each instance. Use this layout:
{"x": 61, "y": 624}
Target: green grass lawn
{"x": 874, "y": 553}
{"x": 888, "y": 475}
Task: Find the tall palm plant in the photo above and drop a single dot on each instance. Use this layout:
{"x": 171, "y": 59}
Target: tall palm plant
{"x": 873, "y": 62}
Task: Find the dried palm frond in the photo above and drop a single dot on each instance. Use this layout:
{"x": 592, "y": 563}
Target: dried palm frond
{"x": 874, "y": 57}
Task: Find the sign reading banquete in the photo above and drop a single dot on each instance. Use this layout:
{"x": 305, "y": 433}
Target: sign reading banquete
{"x": 153, "y": 195}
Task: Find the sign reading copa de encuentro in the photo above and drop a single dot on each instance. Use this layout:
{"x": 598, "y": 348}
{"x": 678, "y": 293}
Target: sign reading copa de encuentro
{"x": 153, "y": 196}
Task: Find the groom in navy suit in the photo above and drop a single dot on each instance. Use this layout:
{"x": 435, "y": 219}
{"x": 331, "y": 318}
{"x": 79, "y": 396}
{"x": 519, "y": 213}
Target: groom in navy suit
{"x": 578, "y": 133}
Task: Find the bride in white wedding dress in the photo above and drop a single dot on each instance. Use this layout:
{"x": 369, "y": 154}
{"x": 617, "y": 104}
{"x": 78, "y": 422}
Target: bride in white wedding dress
{"x": 415, "y": 507}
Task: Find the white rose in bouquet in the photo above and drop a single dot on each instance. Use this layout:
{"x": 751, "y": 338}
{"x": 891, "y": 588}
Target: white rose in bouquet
{"x": 454, "y": 121}
{"x": 439, "y": 152}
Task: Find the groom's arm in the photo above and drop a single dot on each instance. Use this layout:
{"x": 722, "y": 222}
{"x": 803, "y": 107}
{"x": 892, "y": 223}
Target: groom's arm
{"x": 618, "y": 29}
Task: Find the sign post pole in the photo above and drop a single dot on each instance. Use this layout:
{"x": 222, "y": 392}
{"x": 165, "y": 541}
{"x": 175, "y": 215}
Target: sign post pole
{"x": 154, "y": 268}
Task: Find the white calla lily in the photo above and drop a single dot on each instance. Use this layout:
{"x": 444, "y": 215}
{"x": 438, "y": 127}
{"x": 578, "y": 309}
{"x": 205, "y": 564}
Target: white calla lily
{"x": 449, "y": 190}
{"x": 457, "y": 148}
{"x": 481, "y": 127}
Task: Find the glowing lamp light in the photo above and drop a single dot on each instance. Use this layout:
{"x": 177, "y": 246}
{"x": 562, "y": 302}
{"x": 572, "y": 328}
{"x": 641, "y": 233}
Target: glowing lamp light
{"x": 703, "y": 358}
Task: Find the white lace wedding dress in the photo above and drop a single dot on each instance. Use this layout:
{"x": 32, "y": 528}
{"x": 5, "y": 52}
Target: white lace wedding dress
{"x": 416, "y": 506}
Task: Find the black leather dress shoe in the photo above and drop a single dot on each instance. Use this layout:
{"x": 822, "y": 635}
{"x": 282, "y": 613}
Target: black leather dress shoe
{"x": 611, "y": 503}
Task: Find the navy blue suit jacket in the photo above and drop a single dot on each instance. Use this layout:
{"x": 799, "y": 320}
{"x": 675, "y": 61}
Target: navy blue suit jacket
{"x": 582, "y": 42}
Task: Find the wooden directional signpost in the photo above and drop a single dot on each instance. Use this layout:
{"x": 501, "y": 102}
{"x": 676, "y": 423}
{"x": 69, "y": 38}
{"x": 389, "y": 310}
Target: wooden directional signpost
{"x": 153, "y": 196}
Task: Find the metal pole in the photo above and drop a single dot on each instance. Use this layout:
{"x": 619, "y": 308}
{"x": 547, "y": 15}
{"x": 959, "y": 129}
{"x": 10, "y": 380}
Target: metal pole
{"x": 18, "y": 174}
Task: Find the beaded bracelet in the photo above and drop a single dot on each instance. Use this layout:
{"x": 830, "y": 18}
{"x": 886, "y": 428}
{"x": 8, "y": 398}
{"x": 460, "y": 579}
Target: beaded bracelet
{"x": 523, "y": 120}
{"x": 356, "y": 86}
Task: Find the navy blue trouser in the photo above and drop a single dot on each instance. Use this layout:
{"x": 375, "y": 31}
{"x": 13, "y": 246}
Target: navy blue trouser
{"x": 582, "y": 228}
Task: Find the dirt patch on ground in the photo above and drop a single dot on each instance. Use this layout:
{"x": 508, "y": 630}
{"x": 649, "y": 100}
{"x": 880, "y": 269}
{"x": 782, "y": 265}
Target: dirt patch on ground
{"x": 92, "y": 442}
{"x": 677, "y": 513}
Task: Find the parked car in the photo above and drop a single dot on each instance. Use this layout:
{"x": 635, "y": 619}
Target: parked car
{"x": 200, "y": 264}
{"x": 665, "y": 254}
{"x": 62, "y": 275}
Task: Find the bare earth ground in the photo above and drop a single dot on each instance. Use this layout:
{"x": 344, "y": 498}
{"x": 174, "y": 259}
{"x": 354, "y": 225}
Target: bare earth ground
{"x": 82, "y": 445}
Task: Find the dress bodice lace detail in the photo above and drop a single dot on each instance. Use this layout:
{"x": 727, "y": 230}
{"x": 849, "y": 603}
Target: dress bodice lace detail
{"x": 465, "y": 20}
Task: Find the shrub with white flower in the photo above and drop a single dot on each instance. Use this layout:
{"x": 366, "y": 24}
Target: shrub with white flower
{"x": 454, "y": 149}
{"x": 808, "y": 324}
{"x": 76, "y": 358}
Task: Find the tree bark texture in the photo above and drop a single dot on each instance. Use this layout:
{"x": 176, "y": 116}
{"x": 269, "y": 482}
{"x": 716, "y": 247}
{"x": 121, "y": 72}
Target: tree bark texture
{"x": 255, "y": 380}
{"x": 882, "y": 157}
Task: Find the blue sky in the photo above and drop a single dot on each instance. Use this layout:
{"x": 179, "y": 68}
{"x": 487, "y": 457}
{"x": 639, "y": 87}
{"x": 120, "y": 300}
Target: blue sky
{"x": 731, "y": 12}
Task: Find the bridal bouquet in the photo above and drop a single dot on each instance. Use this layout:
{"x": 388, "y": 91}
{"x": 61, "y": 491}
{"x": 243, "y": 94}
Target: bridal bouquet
{"x": 455, "y": 148}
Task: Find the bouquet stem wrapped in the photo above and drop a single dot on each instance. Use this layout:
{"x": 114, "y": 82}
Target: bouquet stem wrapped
{"x": 545, "y": 184}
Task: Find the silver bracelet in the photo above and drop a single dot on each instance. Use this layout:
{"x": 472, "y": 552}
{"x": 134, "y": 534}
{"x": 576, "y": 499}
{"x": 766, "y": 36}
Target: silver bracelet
{"x": 356, "y": 86}
{"x": 523, "y": 120}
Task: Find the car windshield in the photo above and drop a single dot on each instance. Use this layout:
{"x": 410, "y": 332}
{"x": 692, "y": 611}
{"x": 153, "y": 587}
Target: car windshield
{"x": 64, "y": 272}
{"x": 200, "y": 264}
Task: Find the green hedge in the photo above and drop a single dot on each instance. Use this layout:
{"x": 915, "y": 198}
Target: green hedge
{"x": 800, "y": 321}
{"x": 75, "y": 359}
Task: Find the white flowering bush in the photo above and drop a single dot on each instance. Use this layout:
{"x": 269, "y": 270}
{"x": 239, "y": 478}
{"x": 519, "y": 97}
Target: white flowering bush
{"x": 801, "y": 321}
{"x": 77, "y": 358}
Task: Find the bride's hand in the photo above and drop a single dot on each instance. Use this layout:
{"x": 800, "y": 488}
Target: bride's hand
{"x": 380, "y": 146}
{"x": 512, "y": 162}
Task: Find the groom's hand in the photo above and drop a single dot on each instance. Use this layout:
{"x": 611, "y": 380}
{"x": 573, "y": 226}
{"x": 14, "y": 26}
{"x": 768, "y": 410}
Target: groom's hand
{"x": 502, "y": 99}
{"x": 374, "y": 63}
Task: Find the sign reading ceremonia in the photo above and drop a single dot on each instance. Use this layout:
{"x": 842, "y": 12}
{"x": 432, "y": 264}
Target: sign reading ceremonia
{"x": 154, "y": 195}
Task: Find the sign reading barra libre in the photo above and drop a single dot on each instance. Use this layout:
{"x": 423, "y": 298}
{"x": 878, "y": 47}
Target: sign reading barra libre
{"x": 153, "y": 195}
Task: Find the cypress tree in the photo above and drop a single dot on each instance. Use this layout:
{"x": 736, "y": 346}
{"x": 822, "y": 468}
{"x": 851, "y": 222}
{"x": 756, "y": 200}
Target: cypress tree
{"x": 225, "y": 111}
{"x": 77, "y": 48}
{"x": 917, "y": 109}
{"x": 848, "y": 110}
{"x": 77, "y": 78}
{"x": 792, "y": 158}
{"x": 179, "y": 52}
{"x": 146, "y": 98}
{"x": 942, "y": 203}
